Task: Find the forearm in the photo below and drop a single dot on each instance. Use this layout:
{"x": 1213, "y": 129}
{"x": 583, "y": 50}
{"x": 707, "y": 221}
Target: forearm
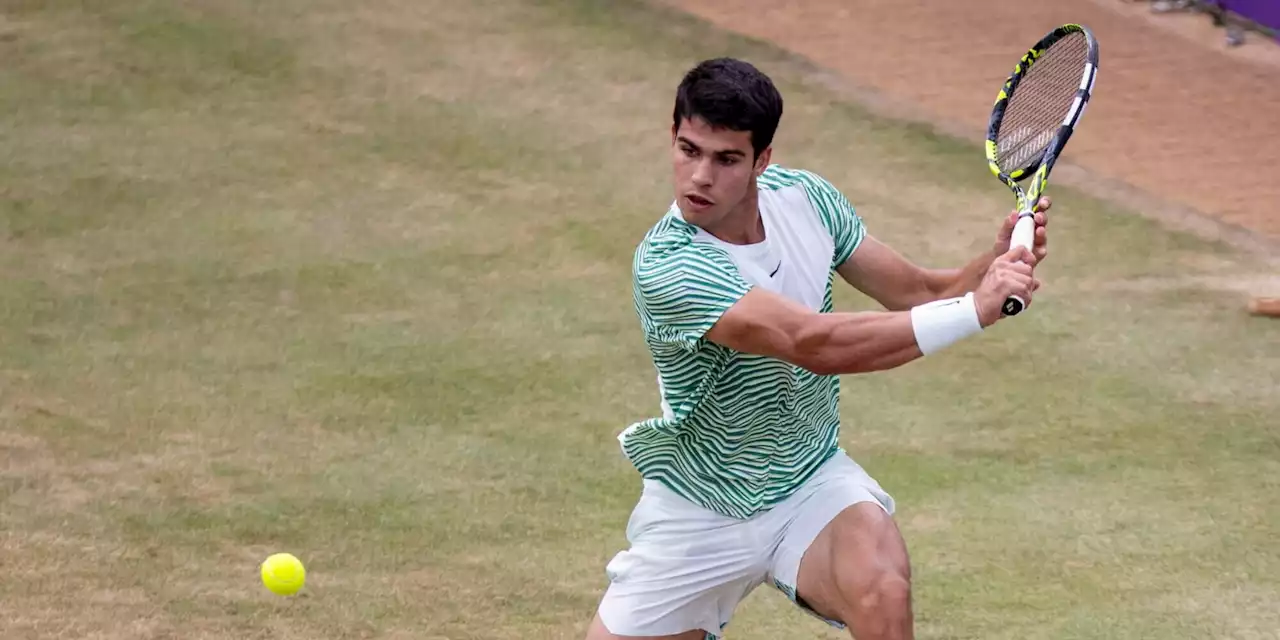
{"x": 861, "y": 342}
{"x": 842, "y": 343}
{"x": 951, "y": 283}
{"x": 767, "y": 324}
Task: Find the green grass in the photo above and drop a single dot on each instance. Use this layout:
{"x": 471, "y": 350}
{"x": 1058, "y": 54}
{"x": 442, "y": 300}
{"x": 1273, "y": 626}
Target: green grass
{"x": 351, "y": 280}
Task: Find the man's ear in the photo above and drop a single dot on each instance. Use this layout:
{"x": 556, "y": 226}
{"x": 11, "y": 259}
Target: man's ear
{"x": 762, "y": 162}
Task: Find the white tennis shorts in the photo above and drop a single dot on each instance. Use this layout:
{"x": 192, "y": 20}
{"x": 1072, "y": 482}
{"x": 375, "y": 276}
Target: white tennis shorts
{"x": 688, "y": 567}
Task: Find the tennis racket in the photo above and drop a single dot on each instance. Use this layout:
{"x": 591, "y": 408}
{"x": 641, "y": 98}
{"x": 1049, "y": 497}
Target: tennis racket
{"x": 1035, "y": 114}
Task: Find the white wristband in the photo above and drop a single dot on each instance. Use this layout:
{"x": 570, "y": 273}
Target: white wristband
{"x": 942, "y": 323}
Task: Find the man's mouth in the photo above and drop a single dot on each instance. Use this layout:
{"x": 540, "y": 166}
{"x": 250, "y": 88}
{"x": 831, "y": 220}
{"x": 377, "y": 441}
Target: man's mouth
{"x": 698, "y": 201}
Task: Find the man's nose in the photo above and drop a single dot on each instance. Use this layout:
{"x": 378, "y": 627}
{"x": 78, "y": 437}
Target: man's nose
{"x": 702, "y": 173}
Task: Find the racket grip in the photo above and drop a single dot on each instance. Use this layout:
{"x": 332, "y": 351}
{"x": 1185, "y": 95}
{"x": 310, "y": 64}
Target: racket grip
{"x": 1024, "y": 234}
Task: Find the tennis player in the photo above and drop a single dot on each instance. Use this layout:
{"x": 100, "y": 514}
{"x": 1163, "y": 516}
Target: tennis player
{"x": 744, "y": 479}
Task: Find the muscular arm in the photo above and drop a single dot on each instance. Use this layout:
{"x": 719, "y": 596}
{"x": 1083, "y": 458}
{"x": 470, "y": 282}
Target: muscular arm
{"x": 765, "y": 323}
{"x": 895, "y": 282}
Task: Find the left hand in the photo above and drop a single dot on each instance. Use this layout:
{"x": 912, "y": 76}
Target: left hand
{"x": 1040, "y": 249}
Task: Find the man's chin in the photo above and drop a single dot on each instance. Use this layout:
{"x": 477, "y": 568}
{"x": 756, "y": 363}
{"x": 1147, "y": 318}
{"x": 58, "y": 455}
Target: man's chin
{"x": 696, "y": 218}
{"x": 699, "y": 216}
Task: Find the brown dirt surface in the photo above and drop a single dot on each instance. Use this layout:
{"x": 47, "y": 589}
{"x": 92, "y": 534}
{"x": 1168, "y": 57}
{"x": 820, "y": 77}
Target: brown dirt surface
{"x": 1176, "y": 114}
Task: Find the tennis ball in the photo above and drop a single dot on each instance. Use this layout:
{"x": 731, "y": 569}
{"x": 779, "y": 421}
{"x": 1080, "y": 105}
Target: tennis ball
{"x": 283, "y": 574}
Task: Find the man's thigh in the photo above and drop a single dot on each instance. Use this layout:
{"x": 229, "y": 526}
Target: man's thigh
{"x": 852, "y": 559}
{"x": 818, "y": 520}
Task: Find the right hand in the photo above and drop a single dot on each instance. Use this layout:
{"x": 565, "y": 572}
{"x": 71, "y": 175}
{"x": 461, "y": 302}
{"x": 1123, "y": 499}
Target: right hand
{"x": 1009, "y": 274}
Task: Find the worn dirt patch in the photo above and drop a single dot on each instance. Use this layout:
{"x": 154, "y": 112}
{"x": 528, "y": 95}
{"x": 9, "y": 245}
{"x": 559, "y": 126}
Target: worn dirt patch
{"x": 1176, "y": 114}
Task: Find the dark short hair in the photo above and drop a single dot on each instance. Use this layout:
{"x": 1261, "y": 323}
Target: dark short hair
{"x": 731, "y": 94}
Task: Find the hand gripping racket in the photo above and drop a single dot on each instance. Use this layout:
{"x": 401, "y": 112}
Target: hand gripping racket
{"x": 1035, "y": 113}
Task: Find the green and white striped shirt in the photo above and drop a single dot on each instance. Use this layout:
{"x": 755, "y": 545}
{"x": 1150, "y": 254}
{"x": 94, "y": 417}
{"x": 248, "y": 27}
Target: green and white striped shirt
{"x": 739, "y": 432}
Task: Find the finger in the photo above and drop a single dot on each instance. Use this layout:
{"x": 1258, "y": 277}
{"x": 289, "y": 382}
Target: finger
{"x": 1017, "y": 253}
{"x": 1023, "y": 290}
{"x": 1043, "y": 203}
{"x": 1018, "y": 279}
{"x": 1041, "y": 219}
{"x": 1042, "y": 235}
{"x": 1028, "y": 259}
{"x": 1028, "y": 287}
{"x": 1006, "y": 228}
{"x": 1024, "y": 269}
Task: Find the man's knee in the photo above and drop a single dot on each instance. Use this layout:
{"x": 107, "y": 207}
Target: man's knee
{"x": 887, "y": 593}
{"x": 883, "y": 582}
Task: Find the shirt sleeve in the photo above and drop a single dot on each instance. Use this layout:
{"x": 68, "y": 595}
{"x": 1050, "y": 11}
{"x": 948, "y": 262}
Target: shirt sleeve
{"x": 838, "y": 216}
{"x": 680, "y": 295}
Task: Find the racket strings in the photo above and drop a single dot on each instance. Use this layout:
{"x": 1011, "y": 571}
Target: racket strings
{"x": 1040, "y": 103}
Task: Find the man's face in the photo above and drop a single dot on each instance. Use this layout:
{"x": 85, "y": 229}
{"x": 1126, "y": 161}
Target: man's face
{"x": 714, "y": 170}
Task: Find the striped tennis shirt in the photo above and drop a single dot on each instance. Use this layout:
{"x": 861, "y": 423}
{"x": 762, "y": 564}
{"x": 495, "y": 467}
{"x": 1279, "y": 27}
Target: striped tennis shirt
{"x": 738, "y": 433}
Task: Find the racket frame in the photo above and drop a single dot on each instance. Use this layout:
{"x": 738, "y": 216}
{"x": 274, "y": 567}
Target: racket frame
{"x": 1037, "y": 171}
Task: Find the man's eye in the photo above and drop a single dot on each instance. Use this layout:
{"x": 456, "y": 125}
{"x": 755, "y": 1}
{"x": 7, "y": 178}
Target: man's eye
{"x": 728, "y": 161}
{"x": 689, "y": 151}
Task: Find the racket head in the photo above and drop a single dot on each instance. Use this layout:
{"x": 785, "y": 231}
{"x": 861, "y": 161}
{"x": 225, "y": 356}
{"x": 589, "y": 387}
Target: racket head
{"x": 1038, "y": 107}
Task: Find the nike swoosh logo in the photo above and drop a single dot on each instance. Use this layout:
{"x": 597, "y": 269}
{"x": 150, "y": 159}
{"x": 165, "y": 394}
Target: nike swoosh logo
{"x": 775, "y": 271}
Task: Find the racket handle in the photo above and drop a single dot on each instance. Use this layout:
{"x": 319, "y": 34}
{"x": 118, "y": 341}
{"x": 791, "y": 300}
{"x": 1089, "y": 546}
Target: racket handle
{"x": 1024, "y": 234}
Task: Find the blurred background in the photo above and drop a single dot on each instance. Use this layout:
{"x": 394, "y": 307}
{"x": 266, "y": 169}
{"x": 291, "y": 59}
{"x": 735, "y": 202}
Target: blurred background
{"x": 352, "y": 281}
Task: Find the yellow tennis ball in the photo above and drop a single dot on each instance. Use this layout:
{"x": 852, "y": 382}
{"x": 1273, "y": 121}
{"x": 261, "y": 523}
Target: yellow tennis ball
{"x": 283, "y": 574}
